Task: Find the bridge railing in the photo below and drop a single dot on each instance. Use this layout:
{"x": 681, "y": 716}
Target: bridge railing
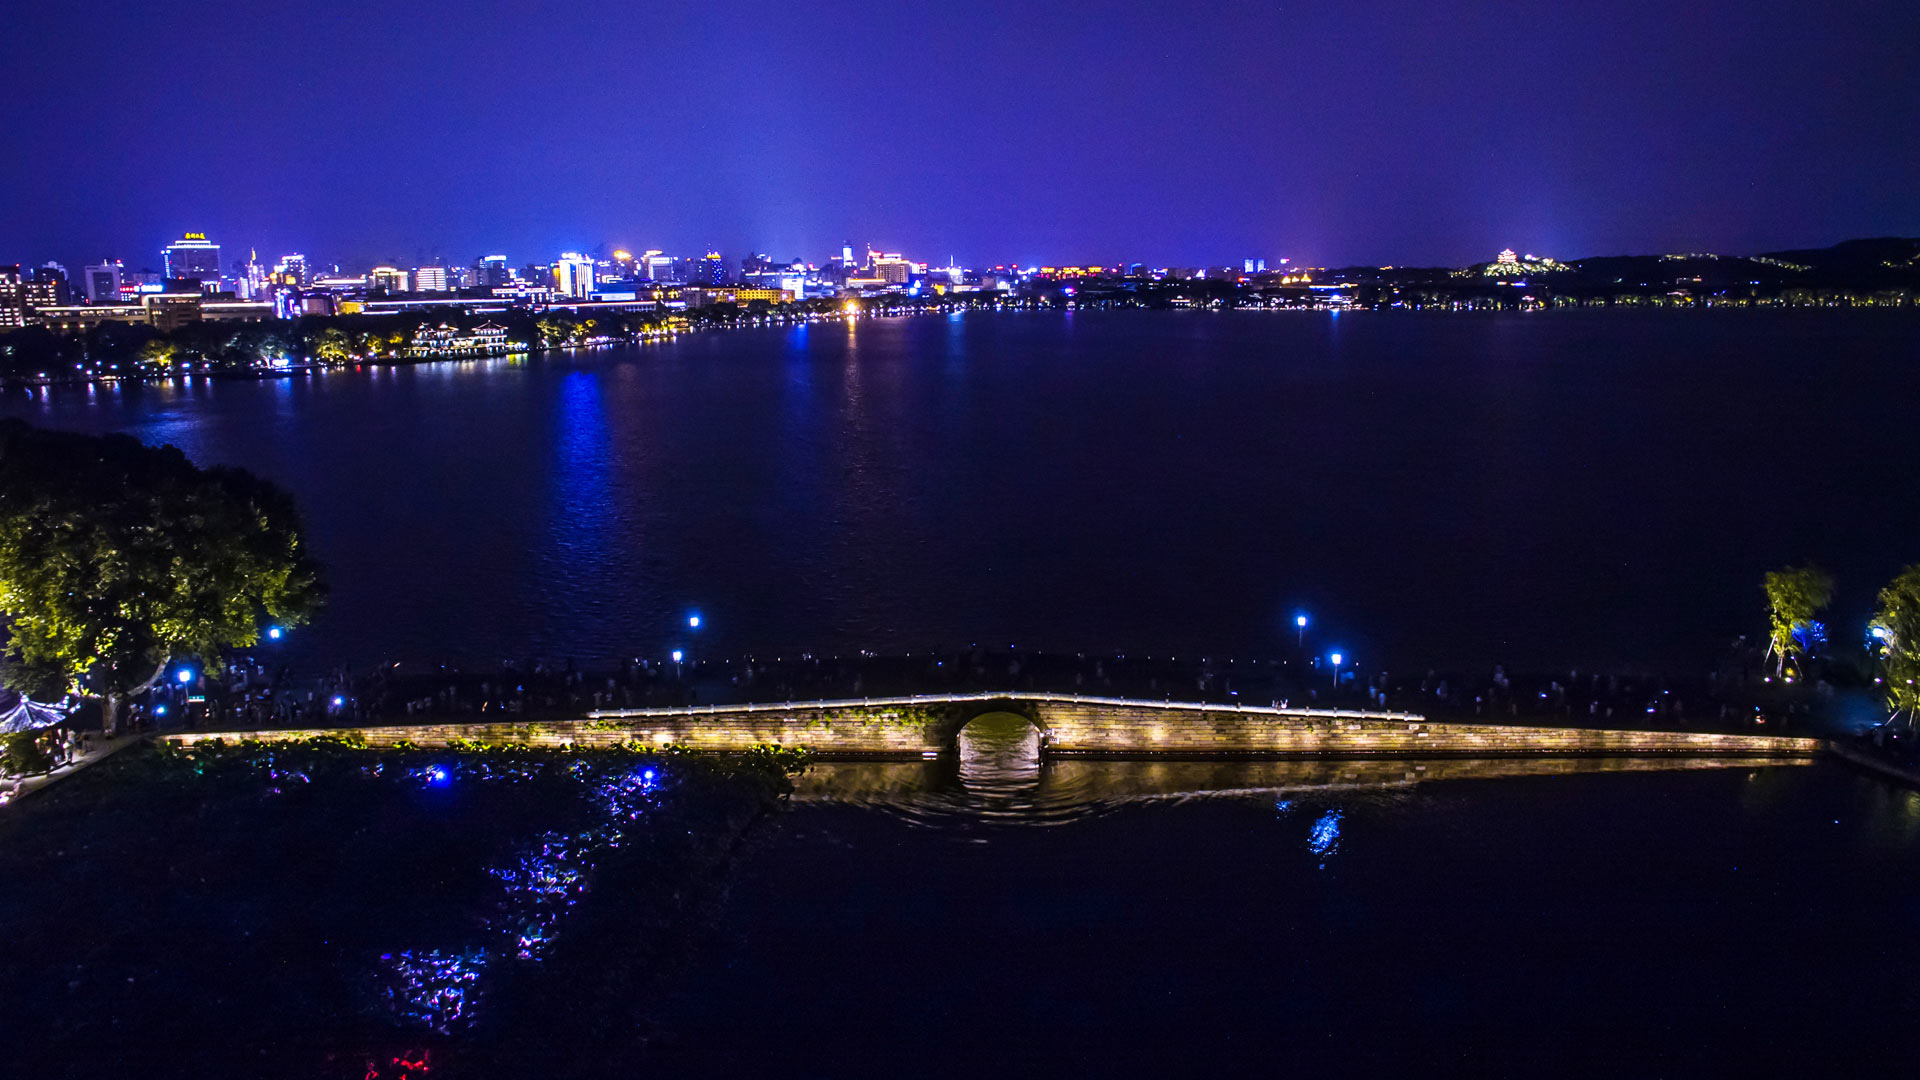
{"x": 951, "y": 699}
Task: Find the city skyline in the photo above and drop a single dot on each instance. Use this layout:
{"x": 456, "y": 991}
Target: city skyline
{"x": 1347, "y": 136}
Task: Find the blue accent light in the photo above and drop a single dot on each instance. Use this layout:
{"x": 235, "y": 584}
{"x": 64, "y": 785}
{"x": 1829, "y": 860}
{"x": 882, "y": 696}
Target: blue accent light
{"x": 274, "y": 632}
{"x": 185, "y": 676}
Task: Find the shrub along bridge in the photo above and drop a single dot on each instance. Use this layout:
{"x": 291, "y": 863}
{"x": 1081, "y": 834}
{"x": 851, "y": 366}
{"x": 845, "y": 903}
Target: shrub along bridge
{"x": 929, "y": 725}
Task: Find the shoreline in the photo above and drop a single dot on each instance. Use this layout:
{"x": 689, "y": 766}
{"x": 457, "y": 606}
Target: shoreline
{"x": 310, "y": 368}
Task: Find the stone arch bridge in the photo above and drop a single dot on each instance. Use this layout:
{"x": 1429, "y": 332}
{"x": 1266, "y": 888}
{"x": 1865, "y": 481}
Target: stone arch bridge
{"x": 1069, "y": 724}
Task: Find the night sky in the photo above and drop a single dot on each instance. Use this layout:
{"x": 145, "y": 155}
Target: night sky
{"x": 1172, "y": 133}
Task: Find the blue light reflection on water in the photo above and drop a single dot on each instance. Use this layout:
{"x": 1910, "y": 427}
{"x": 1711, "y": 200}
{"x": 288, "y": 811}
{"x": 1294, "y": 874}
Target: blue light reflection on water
{"x": 538, "y": 885}
{"x": 1324, "y": 840}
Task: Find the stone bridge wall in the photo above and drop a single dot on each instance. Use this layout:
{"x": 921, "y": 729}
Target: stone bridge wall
{"x": 915, "y": 727}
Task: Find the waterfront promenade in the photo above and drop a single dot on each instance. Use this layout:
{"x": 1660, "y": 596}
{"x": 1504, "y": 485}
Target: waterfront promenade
{"x": 922, "y": 726}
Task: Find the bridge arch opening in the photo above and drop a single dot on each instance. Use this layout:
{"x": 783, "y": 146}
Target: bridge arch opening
{"x": 999, "y": 753}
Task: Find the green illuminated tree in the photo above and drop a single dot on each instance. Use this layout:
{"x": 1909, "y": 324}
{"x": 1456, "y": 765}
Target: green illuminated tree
{"x": 160, "y": 351}
{"x": 117, "y": 559}
{"x": 1794, "y": 596}
{"x": 331, "y": 346}
{"x": 1896, "y": 626}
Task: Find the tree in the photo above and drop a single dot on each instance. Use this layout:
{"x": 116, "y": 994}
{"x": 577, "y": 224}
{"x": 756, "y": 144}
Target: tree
{"x": 1896, "y": 626}
{"x": 331, "y": 346}
{"x": 117, "y": 559}
{"x": 1794, "y": 597}
{"x": 159, "y": 352}
{"x": 22, "y": 755}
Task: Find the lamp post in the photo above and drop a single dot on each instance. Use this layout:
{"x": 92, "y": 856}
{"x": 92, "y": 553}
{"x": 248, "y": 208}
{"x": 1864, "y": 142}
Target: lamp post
{"x": 677, "y": 657}
{"x": 1336, "y": 670}
{"x": 1300, "y": 626}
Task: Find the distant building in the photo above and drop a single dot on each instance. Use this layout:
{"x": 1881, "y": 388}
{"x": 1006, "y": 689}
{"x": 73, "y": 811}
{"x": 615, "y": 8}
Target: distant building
{"x": 193, "y": 256}
{"x": 573, "y": 276}
{"x": 713, "y": 269}
{"x": 486, "y": 339}
{"x": 430, "y": 279}
{"x": 390, "y": 278}
{"x": 704, "y": 297}
{"x": 171, "y": 311}
{"x": 13, "y": 300}
{"x": 250, "y": 279}
{"x": 37, "y": 295}
{"x": 47, "y": 288}
{"x": 1508, "y": 264}
{"x": 493, "y": 271}
{"x": 82, "y": 318}
{"x": 290, "y": 270}
{"x": 101, "y": 283}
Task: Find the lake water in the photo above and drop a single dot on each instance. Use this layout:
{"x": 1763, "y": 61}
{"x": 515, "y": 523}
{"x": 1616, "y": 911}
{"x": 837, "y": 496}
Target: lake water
{"x": 1541, "y": 490}
{"x": 335, "y": 913}
{"x": 1545, "y": 489}
{"x": 1378, "y": 918}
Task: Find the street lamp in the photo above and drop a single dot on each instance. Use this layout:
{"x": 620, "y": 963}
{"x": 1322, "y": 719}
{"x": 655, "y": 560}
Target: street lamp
{"x": 1336, "y": 669}
{"x": 677, "y": 657}
{"x": 693, "y": 621}
{"x": 1300, "y": 624}
{"x": 274, "y": 632}
{"x": 185, "y": 676}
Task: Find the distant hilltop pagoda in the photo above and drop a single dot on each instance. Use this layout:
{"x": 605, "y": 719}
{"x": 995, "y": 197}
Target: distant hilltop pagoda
{"x": 1510, "y": 265}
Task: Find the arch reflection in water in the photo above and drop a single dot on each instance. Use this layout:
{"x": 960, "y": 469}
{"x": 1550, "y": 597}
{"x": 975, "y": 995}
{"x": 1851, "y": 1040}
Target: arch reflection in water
{"x": 1000, "y": 757}
{"x": 1000, "y": 780}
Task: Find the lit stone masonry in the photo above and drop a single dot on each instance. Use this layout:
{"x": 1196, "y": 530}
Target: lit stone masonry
{"x": 911, "y": 727}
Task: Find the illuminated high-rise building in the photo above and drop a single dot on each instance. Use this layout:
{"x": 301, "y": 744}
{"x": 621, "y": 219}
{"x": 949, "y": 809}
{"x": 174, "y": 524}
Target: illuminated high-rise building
{"x": 13, "y": 301}
{"x": 290, "y": 270}
{"x": 713, "y": 269}
{"x": 55, "y": 289}
{"x": 193, "y": 256}
{"x": 573, "y": 275}
{"x": 892, "y": 269}
{"x": 430, "y": 279}
{"x": 390, "y": 278}
{"x": 46, "y": 287}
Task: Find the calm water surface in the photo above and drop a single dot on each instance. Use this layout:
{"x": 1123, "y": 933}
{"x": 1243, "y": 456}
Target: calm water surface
{"x": 1569, "y": 488}
{"x": 1485, "y": 918}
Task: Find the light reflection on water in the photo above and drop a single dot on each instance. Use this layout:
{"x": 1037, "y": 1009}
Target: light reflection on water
{"x": 999, "y": 779}
{"x": 539, "y": 885}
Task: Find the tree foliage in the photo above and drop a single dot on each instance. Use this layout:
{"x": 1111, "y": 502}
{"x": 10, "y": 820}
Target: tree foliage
{"x": 1794, "y": 596}
{"x": 1897, "y": 628}
{"x": 118, "y": 558}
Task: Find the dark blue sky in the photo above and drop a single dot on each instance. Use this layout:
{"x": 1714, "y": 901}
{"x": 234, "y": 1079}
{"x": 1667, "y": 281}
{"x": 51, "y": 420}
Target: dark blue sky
{"x": 1332, "y": 132}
